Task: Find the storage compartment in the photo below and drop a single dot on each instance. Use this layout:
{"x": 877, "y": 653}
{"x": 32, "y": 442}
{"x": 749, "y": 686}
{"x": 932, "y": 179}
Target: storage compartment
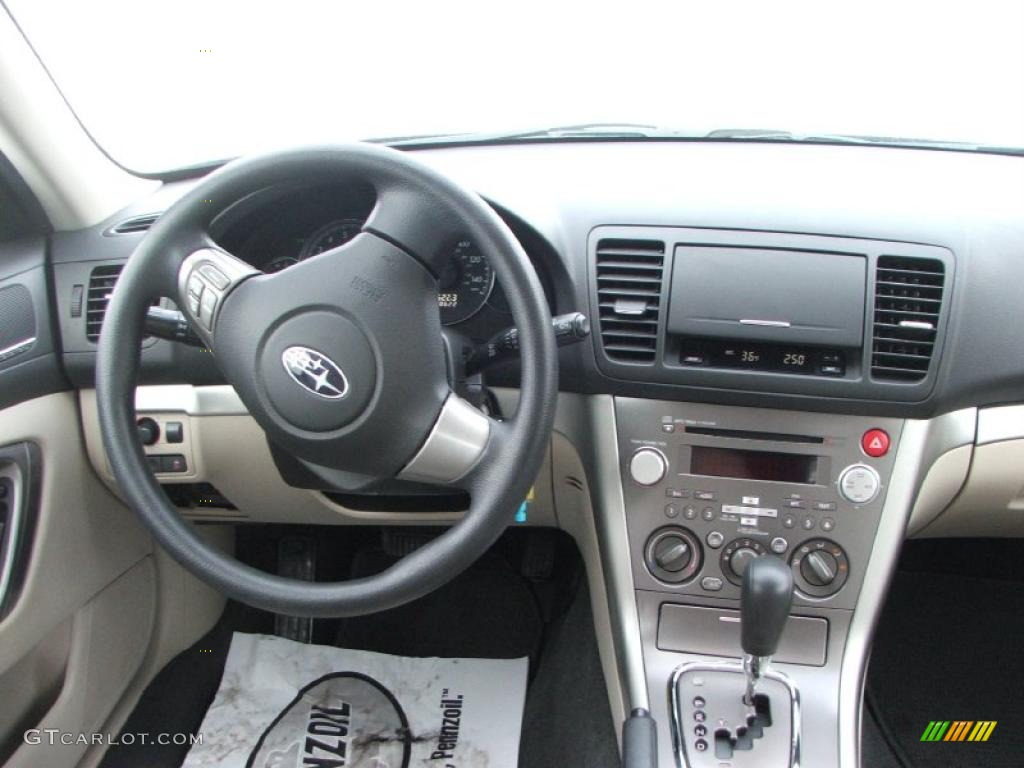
{"x": 716, "y": 632}
{"x": 783, "y": 296}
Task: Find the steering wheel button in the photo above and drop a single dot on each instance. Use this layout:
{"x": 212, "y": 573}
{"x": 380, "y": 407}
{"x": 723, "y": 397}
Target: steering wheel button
{"x": 215, "y": 276}
{"x": 207, "y": 306}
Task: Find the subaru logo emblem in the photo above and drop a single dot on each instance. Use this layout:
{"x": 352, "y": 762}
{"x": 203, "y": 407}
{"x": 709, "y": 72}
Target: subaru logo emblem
{"x": 315, "y": 371}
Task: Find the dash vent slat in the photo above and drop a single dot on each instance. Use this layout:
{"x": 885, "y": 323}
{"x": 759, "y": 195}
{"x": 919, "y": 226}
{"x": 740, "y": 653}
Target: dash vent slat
{"x": 629, "y": 283}
{"x": 101, "y": 285}
{"x": 908, "y": 303}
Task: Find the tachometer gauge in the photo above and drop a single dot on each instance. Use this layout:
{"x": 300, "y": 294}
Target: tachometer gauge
{"x": 465, "y": 284}
{"x": 331, "y": 236}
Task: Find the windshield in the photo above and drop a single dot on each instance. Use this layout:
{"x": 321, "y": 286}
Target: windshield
{"x": 167, "y": 85}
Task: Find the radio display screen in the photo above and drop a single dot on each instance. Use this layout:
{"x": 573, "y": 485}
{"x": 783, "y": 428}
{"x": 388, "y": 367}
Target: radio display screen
{"x": 753, "y": 465}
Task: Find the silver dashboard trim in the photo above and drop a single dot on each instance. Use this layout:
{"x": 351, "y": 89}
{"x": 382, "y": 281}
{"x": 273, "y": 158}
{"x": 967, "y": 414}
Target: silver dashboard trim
{"x": 610, "y": 505}
{"x": 12, "y": 530}
{"x": 921, "y": 442}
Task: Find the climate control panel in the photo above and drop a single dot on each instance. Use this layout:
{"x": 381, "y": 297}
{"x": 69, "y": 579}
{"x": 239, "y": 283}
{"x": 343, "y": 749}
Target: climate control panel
{"x": 709, "y": 488}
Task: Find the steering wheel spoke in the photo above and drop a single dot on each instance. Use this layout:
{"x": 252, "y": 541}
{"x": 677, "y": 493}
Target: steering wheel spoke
{"x": 205, "y": 279}
{"x": 455, "y": 444}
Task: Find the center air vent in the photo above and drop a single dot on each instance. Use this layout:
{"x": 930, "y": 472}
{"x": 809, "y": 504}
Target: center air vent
{"x": 101, "y": 285}
{"x": 629, "y": 276}
{"x": 908, "y": 302}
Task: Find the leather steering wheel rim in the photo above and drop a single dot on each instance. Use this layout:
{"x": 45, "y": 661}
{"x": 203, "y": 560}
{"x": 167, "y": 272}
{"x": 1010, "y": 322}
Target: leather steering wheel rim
{"x": 417, "y": 211}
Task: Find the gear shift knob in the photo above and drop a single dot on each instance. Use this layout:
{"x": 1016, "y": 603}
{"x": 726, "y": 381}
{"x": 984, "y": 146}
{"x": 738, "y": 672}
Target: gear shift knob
{"x": 764, "y": 604}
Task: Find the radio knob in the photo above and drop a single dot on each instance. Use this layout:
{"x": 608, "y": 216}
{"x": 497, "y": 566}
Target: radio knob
{"x": 819, "y": 568}
{"x": 648, "y": 466}
{"x": 859, "y": 483}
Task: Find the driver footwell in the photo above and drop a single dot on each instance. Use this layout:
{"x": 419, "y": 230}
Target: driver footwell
{"x": 525, "y": 598}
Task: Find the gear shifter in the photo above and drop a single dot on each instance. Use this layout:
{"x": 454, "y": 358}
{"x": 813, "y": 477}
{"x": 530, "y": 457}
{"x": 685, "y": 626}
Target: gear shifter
{"x": 765, "y": 600}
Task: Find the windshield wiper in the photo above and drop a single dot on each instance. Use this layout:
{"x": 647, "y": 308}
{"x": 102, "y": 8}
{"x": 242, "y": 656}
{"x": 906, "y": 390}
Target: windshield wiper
{"x": 771, "y": 134}
{"x": 580, "y": 130}
{"x": 627, "y": 131}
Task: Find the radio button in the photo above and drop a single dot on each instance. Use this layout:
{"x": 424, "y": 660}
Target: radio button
{"x": 711, "y": 583}
{"x": 677, "y": 493}
{"x": 808, "y": 523}
{"x": 793, "y": 504}
{"x": 648, "y": 466}
{"x": 788, "y": 521}
{"x": 671, "y": 510}
{"x": 708, "y": 514}
{"x": 825, "y": 506}
{"x": 705, "y": 495}
{"x": 828, "y": 524}
{"x": 690, "y": 512}
{"x": 859, "y": 483}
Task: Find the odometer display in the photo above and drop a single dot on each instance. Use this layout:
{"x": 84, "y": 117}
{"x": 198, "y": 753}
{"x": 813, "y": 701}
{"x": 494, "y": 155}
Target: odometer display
{"x": 465, "y": 284}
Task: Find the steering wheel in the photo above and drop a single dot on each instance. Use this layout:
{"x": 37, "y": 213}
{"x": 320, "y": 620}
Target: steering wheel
{"x": 341, "y": 361}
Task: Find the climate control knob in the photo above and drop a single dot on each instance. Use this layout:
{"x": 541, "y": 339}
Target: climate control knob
{"x": 673, "y": 555}
{"x": 820, "y": 568}
{"x": 737, "y": 556}
{"x": 648, "y": 466}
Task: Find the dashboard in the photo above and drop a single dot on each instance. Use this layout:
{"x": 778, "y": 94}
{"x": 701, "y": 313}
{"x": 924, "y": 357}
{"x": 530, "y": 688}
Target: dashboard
{"x": 814, "y": 236}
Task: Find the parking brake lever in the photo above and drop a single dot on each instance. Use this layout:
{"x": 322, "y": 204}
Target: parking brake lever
{"x": 570, "y": 328}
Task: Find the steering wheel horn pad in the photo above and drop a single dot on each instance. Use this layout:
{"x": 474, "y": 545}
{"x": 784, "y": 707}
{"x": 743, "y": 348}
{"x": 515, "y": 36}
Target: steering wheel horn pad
{"x": 340, "y": 359}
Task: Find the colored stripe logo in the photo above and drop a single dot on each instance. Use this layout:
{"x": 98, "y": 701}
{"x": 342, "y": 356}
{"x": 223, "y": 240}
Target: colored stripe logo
{"x": 958, "y": 730}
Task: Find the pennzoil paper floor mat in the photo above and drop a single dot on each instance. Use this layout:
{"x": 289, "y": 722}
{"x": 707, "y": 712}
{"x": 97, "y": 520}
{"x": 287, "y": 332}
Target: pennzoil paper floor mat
{"x": 283, "y": 704}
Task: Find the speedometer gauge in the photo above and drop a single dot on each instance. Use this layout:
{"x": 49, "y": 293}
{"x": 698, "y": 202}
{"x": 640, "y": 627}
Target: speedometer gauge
{"x": 465, "y": 284}
{"x": 335, "y": 234}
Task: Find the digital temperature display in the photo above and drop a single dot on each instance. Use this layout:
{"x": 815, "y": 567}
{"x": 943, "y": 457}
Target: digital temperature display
{"x": 755, "y": 356}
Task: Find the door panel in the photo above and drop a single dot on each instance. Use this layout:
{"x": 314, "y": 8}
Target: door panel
{"x": 88, "y": 566}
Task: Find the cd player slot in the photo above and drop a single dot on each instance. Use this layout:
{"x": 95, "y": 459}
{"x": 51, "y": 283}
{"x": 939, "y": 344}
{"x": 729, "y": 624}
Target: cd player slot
{"x": 776, "y": 437}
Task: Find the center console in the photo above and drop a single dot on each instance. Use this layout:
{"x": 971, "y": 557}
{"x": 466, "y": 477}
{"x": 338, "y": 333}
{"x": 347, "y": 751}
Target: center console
{"x": 709, "y": 489}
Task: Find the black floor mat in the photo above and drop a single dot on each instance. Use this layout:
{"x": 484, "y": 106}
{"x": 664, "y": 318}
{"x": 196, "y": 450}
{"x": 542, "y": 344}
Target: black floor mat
{"x": 489, "y": 611}
{"x": 947, "y": 648}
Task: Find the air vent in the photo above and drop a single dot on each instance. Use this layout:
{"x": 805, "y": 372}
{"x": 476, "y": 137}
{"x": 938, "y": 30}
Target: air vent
{"x": 629, "y": 274}
{"x": 101, "y": 285}
{"x": 133, "y": 225}
{"x": 908, "y": 301}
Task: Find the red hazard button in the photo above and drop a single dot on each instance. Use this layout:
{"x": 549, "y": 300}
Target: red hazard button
{"x": 875, "y": 443}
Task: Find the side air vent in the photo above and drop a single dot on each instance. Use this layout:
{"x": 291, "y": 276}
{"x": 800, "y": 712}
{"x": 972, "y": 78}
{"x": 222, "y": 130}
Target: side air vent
{"x": 101, "y": 285}
{"x": 908, "y": 301}
{"x": 629, "y": 276}
{"x": 133, "y": 225}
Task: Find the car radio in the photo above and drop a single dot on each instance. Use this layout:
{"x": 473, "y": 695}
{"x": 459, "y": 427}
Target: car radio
{"x": 709, "y": 488}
